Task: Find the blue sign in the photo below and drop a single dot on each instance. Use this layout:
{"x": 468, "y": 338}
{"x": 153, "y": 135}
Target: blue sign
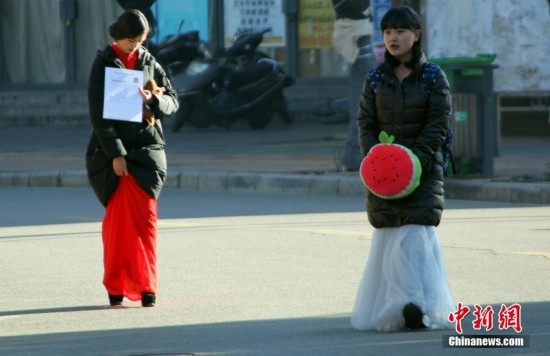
{"x": 170, "y": 14}
{"x": 379, "y": 9}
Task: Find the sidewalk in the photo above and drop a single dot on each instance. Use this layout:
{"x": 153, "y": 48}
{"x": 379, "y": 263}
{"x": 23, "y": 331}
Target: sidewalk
{"x": 301, "y": 157}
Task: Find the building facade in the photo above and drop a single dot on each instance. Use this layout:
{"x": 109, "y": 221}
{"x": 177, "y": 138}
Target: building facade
{"x": 51, "y": 44}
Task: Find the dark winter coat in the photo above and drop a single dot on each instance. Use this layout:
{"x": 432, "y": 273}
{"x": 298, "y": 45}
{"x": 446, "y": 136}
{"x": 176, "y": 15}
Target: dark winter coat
{"x": 142, "y": 145}
{"x": 417, "y": 122}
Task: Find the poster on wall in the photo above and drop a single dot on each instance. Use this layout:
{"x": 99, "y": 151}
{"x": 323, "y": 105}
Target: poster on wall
{"x": 256, "y": 15}
{"x": 315, "y": 23}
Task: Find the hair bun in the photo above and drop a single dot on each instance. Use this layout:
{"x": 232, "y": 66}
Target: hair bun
{"x": 131, "y": 23}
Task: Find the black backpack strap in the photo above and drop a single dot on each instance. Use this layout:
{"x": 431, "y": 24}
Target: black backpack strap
{"x": 429, "y": 74}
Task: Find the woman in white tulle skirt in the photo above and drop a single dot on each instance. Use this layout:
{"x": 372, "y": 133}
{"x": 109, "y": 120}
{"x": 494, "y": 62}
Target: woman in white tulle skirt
{"x": 404, "y": 266}
{"x": 404, "y": 285}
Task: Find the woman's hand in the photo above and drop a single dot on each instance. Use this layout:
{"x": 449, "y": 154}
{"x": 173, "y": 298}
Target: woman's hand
{"x": 146, "y": 95}
{"x": 119, "y": 166}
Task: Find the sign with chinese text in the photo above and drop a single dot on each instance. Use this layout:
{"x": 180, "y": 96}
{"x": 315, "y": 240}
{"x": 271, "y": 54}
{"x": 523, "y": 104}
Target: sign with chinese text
{"x": 315, "y": 23}
{"x": 256, "y": 15}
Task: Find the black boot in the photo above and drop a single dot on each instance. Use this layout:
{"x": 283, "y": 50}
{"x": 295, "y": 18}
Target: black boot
{"x": 148, "y": 299}
{"x": 413, "y": 317}
{"x": 115, "y": 300}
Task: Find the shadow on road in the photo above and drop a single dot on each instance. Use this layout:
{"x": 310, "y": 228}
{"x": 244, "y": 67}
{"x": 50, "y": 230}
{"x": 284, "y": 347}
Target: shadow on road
{"x": 54, "y": 310}
{"x": 325, "y": 335}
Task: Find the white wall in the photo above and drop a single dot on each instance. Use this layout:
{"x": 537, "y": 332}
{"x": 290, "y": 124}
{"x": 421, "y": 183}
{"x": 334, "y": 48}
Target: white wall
{"x": 516, "y": 30}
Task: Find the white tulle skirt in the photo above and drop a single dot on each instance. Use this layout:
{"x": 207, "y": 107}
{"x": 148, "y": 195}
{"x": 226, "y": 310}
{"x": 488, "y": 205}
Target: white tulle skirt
{"x": 404, "y": 266}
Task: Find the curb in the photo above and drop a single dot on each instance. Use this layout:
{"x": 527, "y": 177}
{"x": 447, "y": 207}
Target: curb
{"x": 507, "y": 192}
{"x": 475, "y": 189}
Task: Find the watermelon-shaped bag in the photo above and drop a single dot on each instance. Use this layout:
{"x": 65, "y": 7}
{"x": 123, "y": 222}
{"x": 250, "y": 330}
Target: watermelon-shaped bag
{"x": 389, "y": 170}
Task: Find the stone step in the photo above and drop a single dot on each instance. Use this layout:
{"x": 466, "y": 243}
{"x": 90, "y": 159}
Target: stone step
{"x": 43, "y": 107}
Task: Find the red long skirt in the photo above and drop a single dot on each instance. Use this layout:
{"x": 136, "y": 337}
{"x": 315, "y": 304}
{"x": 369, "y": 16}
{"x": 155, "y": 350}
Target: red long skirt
{"x": 130, "y": 241}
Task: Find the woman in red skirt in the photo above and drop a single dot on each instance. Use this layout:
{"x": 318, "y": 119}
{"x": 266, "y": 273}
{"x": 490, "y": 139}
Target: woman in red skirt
{"x": 126, "y": 164}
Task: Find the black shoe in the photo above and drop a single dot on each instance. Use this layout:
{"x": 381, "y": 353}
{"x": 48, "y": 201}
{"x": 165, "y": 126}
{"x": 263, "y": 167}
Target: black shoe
{"x": 413, "y": 317}
{"x": 148, "y": 299}
{"x": 115, "y": 300}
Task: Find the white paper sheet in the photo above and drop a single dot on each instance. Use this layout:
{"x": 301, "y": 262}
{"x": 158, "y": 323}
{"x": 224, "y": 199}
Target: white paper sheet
{"x": 122, "y": 100}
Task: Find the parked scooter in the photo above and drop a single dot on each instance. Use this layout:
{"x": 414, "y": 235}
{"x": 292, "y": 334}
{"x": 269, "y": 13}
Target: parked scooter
{"x": 175, "y": 52}
{"x": 241, "y": 83}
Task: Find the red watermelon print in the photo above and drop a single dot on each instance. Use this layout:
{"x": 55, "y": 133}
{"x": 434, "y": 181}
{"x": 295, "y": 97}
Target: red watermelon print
{"x": 389, "y": 170}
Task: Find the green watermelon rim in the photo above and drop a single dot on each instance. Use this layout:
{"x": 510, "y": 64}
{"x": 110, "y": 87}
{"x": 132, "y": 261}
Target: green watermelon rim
{"x": 414, "y": 182}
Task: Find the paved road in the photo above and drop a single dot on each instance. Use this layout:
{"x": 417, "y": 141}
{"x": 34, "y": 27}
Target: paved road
{"x": 250, "y": 273}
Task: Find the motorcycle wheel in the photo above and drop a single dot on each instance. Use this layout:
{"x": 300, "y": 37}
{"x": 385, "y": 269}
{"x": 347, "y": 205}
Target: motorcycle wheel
{"x": 259, "y": 118}
{"x": 181, "y": 115}
{"x": 281, "y": 108}
{"x": 201, "y": 116}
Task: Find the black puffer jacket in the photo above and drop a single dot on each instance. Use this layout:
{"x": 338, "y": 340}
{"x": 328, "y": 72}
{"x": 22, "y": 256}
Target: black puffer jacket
{"x": 417, "y": 122}
{"x": 141, "y": 144}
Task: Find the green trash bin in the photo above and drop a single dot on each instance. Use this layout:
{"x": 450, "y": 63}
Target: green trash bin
{"x": 474, "y": 112}
{"x": 447, "y": 64}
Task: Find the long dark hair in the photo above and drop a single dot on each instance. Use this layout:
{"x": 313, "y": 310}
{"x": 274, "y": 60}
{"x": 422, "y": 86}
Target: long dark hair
{"x": 403, "y": 17}
{"x": 130, "y": 24}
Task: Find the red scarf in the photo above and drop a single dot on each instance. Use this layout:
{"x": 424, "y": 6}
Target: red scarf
{"x": 129, "y": 60}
